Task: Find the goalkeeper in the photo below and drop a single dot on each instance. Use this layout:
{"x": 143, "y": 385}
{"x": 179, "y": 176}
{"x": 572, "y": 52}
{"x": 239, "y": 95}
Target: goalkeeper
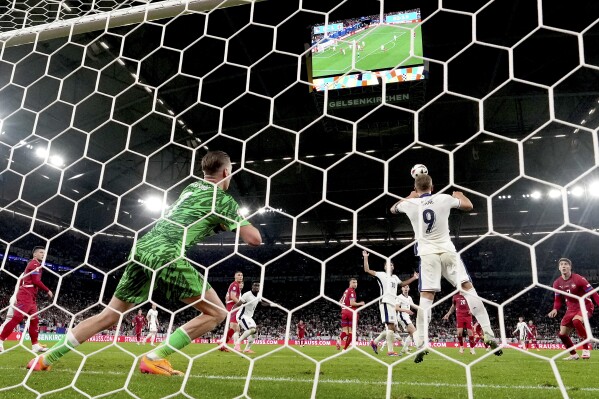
{"x": 200, "y": 211}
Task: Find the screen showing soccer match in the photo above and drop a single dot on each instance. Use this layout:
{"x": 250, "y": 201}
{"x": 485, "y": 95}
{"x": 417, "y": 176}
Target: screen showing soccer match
{"x": 377, "y": 49}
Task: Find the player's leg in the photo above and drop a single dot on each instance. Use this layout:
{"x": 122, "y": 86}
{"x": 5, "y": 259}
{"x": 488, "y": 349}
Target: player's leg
{"x": 82, "y": 332}
{"x": 578, "y": 323}
{"x": 564, "y": 336}
{"x": 348, "y": 337}
{"x": 34, "y": 330}
{"x": 471, "y": 338}
{"x": 391, "y": 327}
{"x": 455, "y": 272}
{"x": 12, "y": 323}
{"x": 460, "y": 335}
{"x": 249, "y": 326}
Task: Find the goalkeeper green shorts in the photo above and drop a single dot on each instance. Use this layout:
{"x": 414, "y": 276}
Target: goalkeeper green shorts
{"x": 177, "y": 280}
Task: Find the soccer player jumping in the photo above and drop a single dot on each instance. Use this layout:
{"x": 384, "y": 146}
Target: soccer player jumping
{"x": 203, "y": 209}
{"x": 429, "y": 216}
{"x": 26, "y": 302}
{"x": 577, "y": 285}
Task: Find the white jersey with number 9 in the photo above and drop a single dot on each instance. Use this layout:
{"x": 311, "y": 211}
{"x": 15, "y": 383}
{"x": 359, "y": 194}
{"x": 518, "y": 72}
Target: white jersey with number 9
{"x": 429, "y": 215}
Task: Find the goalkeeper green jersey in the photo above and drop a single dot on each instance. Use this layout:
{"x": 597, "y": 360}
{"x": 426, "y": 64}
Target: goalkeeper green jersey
{"x": 201, "y": 210}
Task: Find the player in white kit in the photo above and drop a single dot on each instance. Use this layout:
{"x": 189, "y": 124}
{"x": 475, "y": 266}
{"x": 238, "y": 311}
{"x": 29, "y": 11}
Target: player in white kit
{"x": 152, "y": 317}
{"x": 11, "y": 302}
{"x": 521, "y": 329}
{"x": 388, "y": 284}
{"x": 249, "y": 301}
{"x": 429, "y": 216}
{"x": 404, "y": 306}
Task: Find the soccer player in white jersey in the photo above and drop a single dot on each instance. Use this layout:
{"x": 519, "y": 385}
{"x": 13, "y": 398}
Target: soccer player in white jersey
{"x": 404, "y": 306}
{"x": 429, "y": 216}
{"x": 388, "y": 284}
{"x": 11, "y": 302}
{"x": 152, "y": 317}
{"x": 521, "y": 329}
{"x": 250, "y": 299}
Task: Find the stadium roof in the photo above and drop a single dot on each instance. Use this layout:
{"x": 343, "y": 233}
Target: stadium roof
{"x": 130, "y": 111}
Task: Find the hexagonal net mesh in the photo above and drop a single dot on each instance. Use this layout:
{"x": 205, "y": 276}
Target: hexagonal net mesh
{"x": 108, "y": 108}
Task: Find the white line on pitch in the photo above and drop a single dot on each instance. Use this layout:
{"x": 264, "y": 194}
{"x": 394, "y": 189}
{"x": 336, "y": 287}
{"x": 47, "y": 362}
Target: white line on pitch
{"x": 346, "y": 381}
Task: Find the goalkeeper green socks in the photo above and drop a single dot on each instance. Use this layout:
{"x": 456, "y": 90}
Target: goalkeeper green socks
{"x": 178, "y": 340}
{"x": 60, "y": 349}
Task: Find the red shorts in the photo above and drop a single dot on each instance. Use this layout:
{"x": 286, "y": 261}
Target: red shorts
{"x": 138, "y": 330}
{"x": 300, "y": 335}
{"x": 26, "y": 306}
{"x": 570, "y": 314}
{"x": 464, "y": 322}
{"x": 347, "y": 318}
{"x": 233, "y": 318}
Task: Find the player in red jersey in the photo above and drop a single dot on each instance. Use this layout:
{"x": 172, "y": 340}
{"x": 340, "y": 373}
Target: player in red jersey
{"x": 26, "y": 303}
{"x": 531, "y": 336}
{"x": 232, "y": 297}
{"x": 139, "y": 322}
{"x": 349, "y": 303}
{"x": 479, "y": 335}
{"x": 301, "y": 332}
{"x": 463, "y": 320}
{"x": 577, "y": 285}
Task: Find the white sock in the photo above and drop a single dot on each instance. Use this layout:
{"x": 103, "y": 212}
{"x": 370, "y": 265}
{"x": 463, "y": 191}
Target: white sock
{"x": 422, "y": 320}
{"x": 407, "y": 342}
{"x": 478, "y": 310}
{"x": 246, "y": 334}
{"x": 381, "y": 336}
{"x": 250, "y": 342}
{"x": 390, "y": 334}
{"x": 72, "y": 340}
{"x": 235, "y": 337}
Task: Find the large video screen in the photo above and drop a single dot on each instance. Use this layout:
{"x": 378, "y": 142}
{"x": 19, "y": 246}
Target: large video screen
{"x": 377, "y": 49}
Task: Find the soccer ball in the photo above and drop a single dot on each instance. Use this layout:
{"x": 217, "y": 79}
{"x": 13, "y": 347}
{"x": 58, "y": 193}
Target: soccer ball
{"x": 418, "y": 169}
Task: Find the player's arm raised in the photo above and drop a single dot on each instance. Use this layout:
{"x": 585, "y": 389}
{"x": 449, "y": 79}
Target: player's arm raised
{"x": 410, "y": 280}
{"x": 465, "y": 203}
{"x": 366, "y": 265}
{"x": 394, "y": 210}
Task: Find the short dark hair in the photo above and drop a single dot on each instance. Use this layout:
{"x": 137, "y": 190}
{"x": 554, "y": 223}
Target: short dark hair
{"x": 213, "y": 161}
{"x": 423, "y": 183}
{"x": 568, "y": 261}
{"x": 352, "y": 279}
{"x": 255, "y": 282}
{"x": 35, "y": 249}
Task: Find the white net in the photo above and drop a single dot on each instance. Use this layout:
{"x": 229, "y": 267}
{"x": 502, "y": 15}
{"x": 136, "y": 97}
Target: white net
{"x": 106, "y": 109}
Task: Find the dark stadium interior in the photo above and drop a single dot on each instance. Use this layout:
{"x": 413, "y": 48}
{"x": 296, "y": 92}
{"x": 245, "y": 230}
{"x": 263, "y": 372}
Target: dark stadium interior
{"x": 131, "y": 121}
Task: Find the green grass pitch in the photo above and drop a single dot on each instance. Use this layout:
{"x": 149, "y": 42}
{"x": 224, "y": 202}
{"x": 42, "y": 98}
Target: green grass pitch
{"x": 371, "y": 57}
{"x": 288, "y": 374}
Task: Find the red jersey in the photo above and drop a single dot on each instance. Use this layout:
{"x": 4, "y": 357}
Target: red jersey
{"x": 28, "y": 286}
{"x": 461, "y": 306}
{"x": 348, "y": 296}
{"x": 533, "y": 331}
{"x": 301, "y": 328}
{"x": 139, "y": 321}
{"x": 576, "y": 285}
{"x": 234, "y": 290}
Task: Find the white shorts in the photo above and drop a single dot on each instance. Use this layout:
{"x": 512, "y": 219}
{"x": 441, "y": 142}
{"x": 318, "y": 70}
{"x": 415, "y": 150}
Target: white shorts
{"x": 388, "y": 313}
{"x": 153, "y": 328}
{"x": 247, "y": 323}
{"x": 404, "y": 320}
{"x": 11, "y": 312}
{"x": 522, "y": 336}
{"x": 446, "y": 264}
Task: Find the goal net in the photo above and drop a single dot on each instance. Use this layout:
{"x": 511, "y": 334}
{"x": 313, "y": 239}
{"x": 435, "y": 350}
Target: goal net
{"x": 107, "y": 108}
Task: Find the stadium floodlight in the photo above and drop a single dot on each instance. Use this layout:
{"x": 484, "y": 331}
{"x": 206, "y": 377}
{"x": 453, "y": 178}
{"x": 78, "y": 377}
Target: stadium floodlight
{"x": 41, "y": 152}
{"x": 153, "y": 204}
{"x": 535, "y": 195}
{"x": 243, "y": 211}
{"x": 593, "y": 189}
{"x": 57, "y": 160}
{"x": 261, "y": 210}
{"x": 554, "y": 193}
{"x": 577, "y": 191}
